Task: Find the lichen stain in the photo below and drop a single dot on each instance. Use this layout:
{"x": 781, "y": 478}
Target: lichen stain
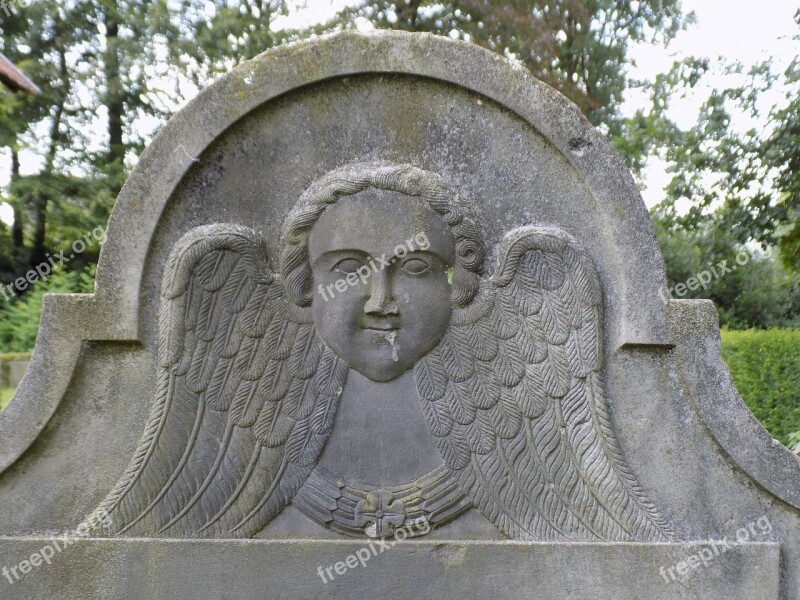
{"x": 450, "y": 556}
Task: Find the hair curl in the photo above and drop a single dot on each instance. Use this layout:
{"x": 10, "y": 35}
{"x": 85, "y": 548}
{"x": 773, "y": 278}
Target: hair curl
{"x": 404, "y": 178}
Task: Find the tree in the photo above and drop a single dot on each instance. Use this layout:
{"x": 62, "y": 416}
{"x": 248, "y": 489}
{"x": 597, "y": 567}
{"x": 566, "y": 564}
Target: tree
{"x": 105, "y": 70}
{"x": 21, "y": 42}
{"x": 783, "y": 152}
{"x": 749, "y": 287}
{"x": 89, "y": 57}
{"x": 24, "y": 43}
{"x": 580, "y": 47}
{"x": 211, "y": 37}
{"x": 746, "y": 183}
{"x": 111, "y": 57}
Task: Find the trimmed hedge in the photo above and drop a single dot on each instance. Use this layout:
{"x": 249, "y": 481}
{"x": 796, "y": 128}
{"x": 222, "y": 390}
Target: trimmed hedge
{"x": 8, "y": 356}
{"x": 19, "y": 320}
{"x": 766, "y": 370}
{"x": 5, "y": 395}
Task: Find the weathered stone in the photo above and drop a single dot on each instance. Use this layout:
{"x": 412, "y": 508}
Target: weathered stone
{"x": 284, "y": 570}
{"x": 379, "y": 284}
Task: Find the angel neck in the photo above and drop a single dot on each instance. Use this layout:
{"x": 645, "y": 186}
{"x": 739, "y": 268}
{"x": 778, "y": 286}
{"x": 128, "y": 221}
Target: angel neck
{"x": 380, "y": 437}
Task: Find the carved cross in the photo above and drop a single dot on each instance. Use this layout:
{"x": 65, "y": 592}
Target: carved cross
{"x": 378, "y": 510}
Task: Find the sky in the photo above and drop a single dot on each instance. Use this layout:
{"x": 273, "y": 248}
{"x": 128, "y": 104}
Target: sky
{"x": 726, "y": 31}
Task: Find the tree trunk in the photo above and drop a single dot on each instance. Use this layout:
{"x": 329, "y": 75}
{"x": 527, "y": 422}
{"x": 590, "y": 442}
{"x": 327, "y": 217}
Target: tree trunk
{"x": 16, "y": 229}
{"x": 38, "y": 251}
{"x": 407, "y": 12}
{"x": 114, "y": 94}
{"x": 39, "y": 202}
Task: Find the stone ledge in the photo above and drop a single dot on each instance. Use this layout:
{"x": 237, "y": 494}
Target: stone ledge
{"x": 278, "y": 570}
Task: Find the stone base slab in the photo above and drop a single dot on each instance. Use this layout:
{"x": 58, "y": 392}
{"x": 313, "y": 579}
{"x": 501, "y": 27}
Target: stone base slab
{"x": 290, "y": 569}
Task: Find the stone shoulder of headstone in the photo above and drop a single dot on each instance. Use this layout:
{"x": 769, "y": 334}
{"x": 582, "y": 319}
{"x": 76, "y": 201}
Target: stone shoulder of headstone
{"x": 366, "y": 288}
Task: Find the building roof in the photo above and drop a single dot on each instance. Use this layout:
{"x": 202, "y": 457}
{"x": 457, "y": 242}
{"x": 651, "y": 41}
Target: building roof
{"x": 14, "y": 79}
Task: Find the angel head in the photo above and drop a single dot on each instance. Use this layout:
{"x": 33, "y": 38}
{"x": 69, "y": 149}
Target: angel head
{"x": 382, "y": 253}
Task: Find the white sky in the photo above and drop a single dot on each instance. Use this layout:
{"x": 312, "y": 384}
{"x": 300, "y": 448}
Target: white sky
{"x": 308, "y": 12}
{"x": 726, "y": 31}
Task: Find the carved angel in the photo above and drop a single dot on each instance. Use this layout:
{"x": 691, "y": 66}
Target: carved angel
{"x": 381, "y": 273}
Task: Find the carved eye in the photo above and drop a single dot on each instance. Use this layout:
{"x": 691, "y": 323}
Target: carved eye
{"x": 346, "y": 266}
{"x": 415, "y": 266}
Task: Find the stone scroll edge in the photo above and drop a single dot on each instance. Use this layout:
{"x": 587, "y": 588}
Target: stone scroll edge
{"x": 708, "y": 383}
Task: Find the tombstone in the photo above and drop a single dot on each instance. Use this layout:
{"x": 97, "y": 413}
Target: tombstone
{"x": 16, "y": 371}
{"x": 383, "y": 316}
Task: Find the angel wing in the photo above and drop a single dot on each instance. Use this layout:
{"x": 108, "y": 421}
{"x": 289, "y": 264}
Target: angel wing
{"x": 513, "y": 396}
{"x": 246, "y": 397}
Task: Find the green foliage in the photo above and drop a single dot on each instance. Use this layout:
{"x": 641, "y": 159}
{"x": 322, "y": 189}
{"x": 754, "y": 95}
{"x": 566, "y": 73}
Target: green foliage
{"x": 757, "y": 292}
{"x": 5, "y": 396}
{"x": 746, "y": 183}
{"x": 766, "y": 370}
{"x": 124, "y": 59}
{"x": 649, "y": 130}
{"x": 7, "y": 356}
{"x": 90, "y": 58}
{"x": 683, "y": 255}
{"x": 19, "y": 321}
{"x": 75, "y": 206}
{"x": 794, "y": 441}
{"x": 210, "y": 37}
{"x": 789, "y": 246}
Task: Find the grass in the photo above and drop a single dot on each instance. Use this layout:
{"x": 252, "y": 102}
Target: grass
{"x": 5, "y": 396}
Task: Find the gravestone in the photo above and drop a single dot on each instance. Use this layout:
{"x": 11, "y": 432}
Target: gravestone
{"x": 384, "y": 315}
{"x": 16, "y": 371}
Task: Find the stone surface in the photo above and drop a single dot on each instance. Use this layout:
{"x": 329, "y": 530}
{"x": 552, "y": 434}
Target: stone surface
{"x": 133, "y": 569}
{"x": 508, "y": 371}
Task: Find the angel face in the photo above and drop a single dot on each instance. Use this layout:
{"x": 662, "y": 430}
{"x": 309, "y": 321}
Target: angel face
{"x": 381, "y": 263}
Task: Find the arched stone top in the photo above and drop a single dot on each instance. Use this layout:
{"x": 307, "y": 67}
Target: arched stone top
{"x": 637, "y": 312}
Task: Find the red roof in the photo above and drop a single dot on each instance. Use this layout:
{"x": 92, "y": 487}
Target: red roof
{"x": 14, "y": 79}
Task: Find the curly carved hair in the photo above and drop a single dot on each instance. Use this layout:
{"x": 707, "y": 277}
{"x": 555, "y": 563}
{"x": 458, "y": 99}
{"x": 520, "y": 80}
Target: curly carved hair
{"x": 404, "y": 178}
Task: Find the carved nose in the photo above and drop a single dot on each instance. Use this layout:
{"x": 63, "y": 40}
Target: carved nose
{"x": 380, "y": 301}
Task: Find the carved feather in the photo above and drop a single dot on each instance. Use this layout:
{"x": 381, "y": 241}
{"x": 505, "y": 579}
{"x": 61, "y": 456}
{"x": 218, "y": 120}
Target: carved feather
{"x": 532, "y": 444}
{"x": 246, "y": 396}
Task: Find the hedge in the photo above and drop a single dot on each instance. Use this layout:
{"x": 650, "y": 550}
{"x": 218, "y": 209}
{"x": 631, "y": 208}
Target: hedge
{"x": 766, "y": 370}
{"x": 9, "y": 356}
{"x": 5, "y": 395}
